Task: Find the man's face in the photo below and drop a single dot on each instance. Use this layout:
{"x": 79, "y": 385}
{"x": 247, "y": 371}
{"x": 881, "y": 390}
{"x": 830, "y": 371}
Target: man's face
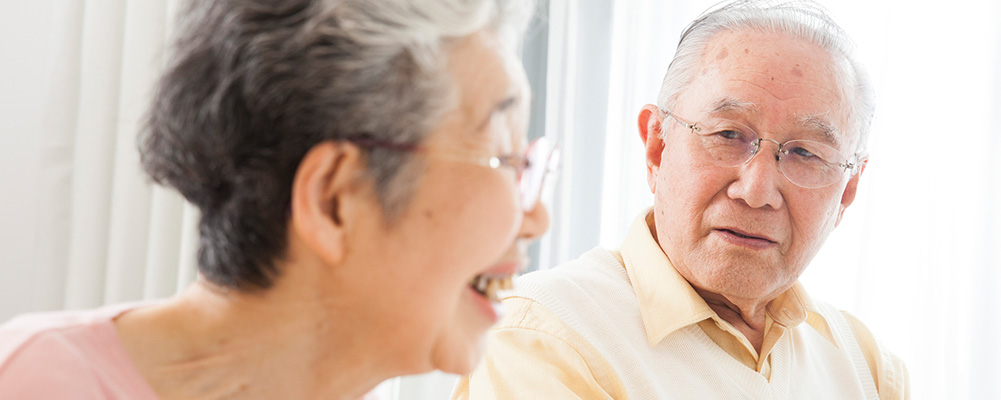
{"x": 747, "y": 232}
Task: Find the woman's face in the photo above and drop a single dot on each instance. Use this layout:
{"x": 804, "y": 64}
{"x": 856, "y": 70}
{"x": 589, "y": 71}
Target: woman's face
{"x": 464, "y": 220}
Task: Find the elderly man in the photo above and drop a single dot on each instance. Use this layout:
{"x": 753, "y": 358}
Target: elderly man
{"x": 754, "y": 152}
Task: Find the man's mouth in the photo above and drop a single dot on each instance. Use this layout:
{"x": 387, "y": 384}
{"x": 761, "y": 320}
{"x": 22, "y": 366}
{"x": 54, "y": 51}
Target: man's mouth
{"x": 746, "y": 236}
{"x": 488, "y": 285}
{"x": 742, "y": 235}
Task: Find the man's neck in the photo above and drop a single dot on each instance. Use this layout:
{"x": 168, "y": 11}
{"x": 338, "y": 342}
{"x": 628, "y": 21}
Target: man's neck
{"x": 747, "y": 316}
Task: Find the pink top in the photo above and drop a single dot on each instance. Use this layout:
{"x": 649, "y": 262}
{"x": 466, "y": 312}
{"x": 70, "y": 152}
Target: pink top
{"x": 68, "y": 355}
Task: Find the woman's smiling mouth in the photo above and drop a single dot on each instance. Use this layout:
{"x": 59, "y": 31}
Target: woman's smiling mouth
{"x": 488, "y": 285}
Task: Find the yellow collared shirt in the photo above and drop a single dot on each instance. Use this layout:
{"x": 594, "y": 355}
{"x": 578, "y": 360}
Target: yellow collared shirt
{"x": 532, "y": 353}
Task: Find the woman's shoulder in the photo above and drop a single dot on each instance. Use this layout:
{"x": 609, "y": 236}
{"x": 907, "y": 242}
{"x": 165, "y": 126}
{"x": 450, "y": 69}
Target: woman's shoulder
{"x": 47, "y": 354}
{"x": 35, "y": 331}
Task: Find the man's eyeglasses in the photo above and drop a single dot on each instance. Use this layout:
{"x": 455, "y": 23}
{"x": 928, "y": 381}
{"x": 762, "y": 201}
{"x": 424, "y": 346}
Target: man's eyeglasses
{"x": 806, "y": 163}
{"x": 540, "y": 159}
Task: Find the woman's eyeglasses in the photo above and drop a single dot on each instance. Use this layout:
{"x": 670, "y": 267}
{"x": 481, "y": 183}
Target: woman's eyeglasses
{"x": 540, "y": 159}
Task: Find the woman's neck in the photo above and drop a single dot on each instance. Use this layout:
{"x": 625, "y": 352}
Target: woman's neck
{"x": 212, "y": 343}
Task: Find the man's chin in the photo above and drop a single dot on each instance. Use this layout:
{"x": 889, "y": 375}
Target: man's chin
{"x": 742, "y": 280}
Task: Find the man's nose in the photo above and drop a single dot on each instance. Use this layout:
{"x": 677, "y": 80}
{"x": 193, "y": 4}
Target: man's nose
{"x": 758, "y": 180}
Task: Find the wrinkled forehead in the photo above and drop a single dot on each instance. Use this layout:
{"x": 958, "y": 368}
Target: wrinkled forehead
{"x": 489, "y": 89}
{"x": 779, "y": 81}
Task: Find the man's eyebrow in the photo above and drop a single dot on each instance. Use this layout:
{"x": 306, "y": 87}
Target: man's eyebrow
{"x": 498, "y": 108}
{"x": 823, "y": 129}
{"x": 815, "y": 123}
{"x": 725, "y": 105}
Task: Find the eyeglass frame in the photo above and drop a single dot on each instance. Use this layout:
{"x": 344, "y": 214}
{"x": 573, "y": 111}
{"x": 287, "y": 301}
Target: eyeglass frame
{"x": 528, "y": 196}
{"x": 850, "y": 164}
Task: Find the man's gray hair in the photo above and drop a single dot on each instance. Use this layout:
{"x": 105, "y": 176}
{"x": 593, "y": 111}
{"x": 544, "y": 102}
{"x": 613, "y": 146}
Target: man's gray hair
{"x": 252, "y": 85}
{"x": 803, "y": 19}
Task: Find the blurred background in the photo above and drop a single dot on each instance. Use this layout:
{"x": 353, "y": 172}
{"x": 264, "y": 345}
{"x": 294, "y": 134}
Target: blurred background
{"x": 917, "y": 256}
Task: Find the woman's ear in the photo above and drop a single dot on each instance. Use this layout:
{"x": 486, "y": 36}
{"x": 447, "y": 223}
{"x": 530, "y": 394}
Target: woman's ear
{"x": 325, "y": 188}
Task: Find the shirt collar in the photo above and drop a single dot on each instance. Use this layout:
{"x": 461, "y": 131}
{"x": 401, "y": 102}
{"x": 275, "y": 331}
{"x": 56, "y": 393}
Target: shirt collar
{"x": 668, "y": 302}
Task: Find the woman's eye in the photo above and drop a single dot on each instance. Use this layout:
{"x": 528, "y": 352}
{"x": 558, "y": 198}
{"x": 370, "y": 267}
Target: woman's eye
{"x": 519, "y": 163}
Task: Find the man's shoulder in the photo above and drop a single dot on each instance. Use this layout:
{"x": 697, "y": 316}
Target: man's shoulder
{"x": 888, "y": 371}
{"x": 583, "y": 295}
{"x": 597, "y": 268}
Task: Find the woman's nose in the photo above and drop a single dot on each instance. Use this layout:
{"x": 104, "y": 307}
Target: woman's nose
{"x": 535, "y": 223}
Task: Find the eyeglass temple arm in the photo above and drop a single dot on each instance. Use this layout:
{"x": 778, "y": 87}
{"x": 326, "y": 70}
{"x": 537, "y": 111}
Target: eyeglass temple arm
{"x": 854, "y": 163}
{"x": 683, "y": 123}
{"x": 366, "y": 140}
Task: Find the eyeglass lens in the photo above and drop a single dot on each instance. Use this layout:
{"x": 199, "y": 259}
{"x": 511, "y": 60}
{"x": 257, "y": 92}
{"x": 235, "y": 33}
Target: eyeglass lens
{"x": 805, "y": 163}
{"x": 542, "y": 158}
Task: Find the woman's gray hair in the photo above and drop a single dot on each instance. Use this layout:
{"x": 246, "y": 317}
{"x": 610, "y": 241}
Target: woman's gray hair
{"x": 804, "y": 19}
{"x": 252, "y": 85}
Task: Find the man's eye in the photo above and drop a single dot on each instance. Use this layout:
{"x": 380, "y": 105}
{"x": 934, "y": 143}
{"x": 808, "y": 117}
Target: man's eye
{"x": 729, "y": 134}
{"x": 801, "y": 152}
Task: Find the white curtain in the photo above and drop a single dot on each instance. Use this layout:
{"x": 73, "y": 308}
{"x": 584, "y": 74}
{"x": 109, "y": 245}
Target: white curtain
{"x": 916, "y": 258}
{"x": 85, "y": 228}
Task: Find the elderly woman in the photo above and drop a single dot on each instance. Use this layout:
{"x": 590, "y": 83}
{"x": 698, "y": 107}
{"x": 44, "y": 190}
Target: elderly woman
{"x": 365, "y": 187}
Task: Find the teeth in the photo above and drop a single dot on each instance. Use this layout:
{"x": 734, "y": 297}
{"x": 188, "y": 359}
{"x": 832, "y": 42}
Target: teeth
{"x": 489, "y": 286}
{"x": 491, "y": 290}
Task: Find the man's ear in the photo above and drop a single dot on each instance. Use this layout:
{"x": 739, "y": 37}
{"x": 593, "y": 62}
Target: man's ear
{"x": 848, "y": 197}
{"x": 650, "y": 133}
{"x": 324, "y": 190}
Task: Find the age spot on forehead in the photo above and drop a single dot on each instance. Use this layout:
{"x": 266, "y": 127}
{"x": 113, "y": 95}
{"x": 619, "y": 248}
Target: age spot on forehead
{"x": 796, "y": 71}
{"x": 722, "y": 54}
